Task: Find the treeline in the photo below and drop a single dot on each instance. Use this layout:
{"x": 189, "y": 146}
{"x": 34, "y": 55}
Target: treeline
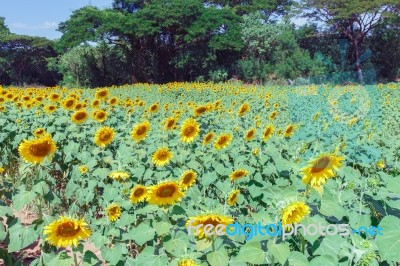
{"x": 191, "y": 40}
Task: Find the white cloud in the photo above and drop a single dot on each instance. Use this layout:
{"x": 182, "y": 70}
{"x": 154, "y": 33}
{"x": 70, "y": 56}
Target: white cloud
{"x": 43, "y": 26}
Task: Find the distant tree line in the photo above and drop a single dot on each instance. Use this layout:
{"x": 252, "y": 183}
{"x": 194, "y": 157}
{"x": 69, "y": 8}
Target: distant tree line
{"x": 191, "y": 40}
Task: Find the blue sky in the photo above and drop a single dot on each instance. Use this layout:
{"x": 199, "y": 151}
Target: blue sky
{"x": 41, "y": 17}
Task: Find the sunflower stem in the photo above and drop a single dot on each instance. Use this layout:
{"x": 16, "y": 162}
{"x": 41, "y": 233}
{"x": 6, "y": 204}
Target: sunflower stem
{"x": 213, "y": 243}
{"x": 303, "y": 243}
{"x": 75, "y": 258}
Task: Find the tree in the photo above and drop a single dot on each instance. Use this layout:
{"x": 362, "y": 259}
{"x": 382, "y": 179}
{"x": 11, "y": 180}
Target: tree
{"x": 354, "y": 19}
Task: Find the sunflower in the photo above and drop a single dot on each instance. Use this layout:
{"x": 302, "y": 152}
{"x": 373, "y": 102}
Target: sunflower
{"x": 140, "y": 131}
{"x": 208, "y": 138}
{"x": 79, "y": 117}
{"x": 200, "y": 110}
{"x": 235, "y": 175}
{"x": 102, "y": 94}
{"x": 205, "y": 219}
{"x": 2, "y": 170}
{"x": 95, "y": 103}
{"x": 50, "y": 108}
{"x": 187, "y": 179}
{"x": 222, "y": 141}
{"x": 165, "y": 193}
{"x": 113, "y": 101}
{"x": 100, "y": 115}
{"x": 273, "y": 115}
{"x": 250, "y": 134}
{"x": 104, "y": 136}
{"x": 154, "y": 108}
{"x": 138, "y": 194}
{"x": 189, "y": 131}
{"x": 113, "y": 212}
{"x": 34, "y": 151}
{"x": 268, "y": 132}
{"x": 69, "y": 103}
{"x": 381, "y": 164}
{"x": 39, "y": 132}
{"x": 321, "y": 169}
{"x": 187, "y": 262}
{"x": 294, "y": 212}
{"x": 288, "y": 131}
{"x": 66, "y": 231}
{"x": 162, "y": 156}
{"x": 83, "y": 169}
{"x": 119, "y": 175}
{"x": 169, "y": 123}
{"x": 233, "y": 197}
{"x": 54, "y": 97}
{"x": 243, "y": 109}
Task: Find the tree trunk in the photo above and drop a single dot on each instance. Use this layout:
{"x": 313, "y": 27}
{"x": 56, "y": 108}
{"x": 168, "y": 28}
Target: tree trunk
{"x": 358, "y": 63}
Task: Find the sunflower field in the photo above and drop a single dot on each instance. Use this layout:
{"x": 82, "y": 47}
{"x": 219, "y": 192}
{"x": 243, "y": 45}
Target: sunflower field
{"x": 124, "y": 169}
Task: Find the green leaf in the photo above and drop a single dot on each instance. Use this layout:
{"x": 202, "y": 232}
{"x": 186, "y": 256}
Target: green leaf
{"x": 388, "y": 243}
{"x": 62, "y": 259}
{"x": 114, "y": 254}
{"x": 325, "y": 260}
{"x": 251, "y": 252}
{"x": 331, "y": 244}
{"x": 297, "y": 259}
{"x": 141, "y": 234}
{"x": 90, "y": 258}
{"x": 176, "y": 247}
{"x": 22, "y": 199}
{"x": 147, "y": 257}
{"x": 331, "y": 207}
{"x": 280, "y": 251}
{"x": 21, "y": 237}
{"x": 218, "y": 258}
{"x": 162, "y": 228}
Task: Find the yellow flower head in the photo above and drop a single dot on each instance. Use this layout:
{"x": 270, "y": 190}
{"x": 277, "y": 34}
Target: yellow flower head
{"x": 294, "y": 212}
{"x": 235, "y": 175}
{"x": 79, "y": 117}
{"x": 34, "y": 151}
{"x": 83, "y": 169}
{"x": 208, "y": 138}
{"x": 113, "y": 212}
{"x": 187, "y": 179}
{"x": 243, "y": 109}
{"x": 138, "y": 194}
{"x": 233, "y": 197}
{"x": 140, "y": 131}
{"x": 119, "y": 175}
{"x": 39, "y": 132}
{"x": 320, "y": 169}
{"x": 100, "y": 116}
{"x": 165, "y": 193}
{"x": 104, "y": 136}
{"x": 187, "y": 262}
{"x": 169, "y": 123}
{"x": 66, "y": 232}
{"x": 189, "y": 131}
{"x": 206, "y": 219}
{"x": 102, "y": 94}
{"x": 250, "y": 134}
{"x": 222, "y": 141}
{"x": 162, "y": 156}
{"x": 288, "y": 131}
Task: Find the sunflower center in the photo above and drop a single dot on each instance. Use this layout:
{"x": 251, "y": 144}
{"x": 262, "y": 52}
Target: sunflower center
{"x": 239, "y": 174}
{"x": 154, "y": 107}
{"x": 138, "y": 192}
{"x": 250, "y": 134}
{"x": 222, "y": 140}
{"x": 105, "y": 136}
{"x": 162, "y": 155}
{"x": 68, "y": 229}
{"x": 187, "y": 178}
{"x": 267, "y": 132}
{"x": 102, "y": 93}
{"x": 113, "y": 210}
{"x": 189, "y": 130}
{"x": 40, "y": 149}
{"x": 320, "y": 165}
{"x": 141, "y": 130}
{"x": 208, "y": 137}
{"x": 80, "y": 116}
{"x": 170, "y": 123}
{"x": 100, "y": 115}
{"x": 51, "y": 108}
{"x": 69, "y": 103}
{"x": 166, "y": 191}
{"x": 289, "y": 129}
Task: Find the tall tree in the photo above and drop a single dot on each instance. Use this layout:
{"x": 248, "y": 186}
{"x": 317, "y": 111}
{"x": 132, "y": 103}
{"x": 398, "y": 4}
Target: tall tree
{"x": 353, "y": 19}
